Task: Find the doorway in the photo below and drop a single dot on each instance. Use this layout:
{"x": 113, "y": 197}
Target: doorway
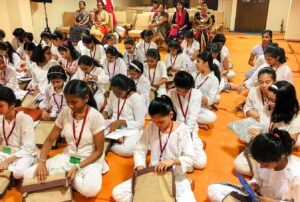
{"x": 251, "y": 15}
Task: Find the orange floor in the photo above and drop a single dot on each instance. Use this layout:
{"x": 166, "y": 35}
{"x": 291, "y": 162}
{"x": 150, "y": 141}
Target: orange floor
{"x": 222, "y": 145}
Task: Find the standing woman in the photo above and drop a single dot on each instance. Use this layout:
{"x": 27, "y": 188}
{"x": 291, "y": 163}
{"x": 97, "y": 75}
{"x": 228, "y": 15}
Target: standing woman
{"x": 180, "y": 22}
{"x": 82, "y": 19}
{"x": 203, "y": 22}
{"x": 101, "y": 20}
{"x": 70, "y": 58}
{"x": 83, "y": 127}
{"x": 18, "y": 151}
{"x": 127, "y": 111}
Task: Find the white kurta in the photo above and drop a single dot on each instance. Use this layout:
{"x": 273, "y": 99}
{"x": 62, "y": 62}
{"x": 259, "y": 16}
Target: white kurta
{"x": 256, "y": 102}
{"x": 137, "y": 55}
{"x": 54, "y": 51}
{"x": 225, "y": 54}
{"x": 112, "y": 69}
{"x": 21, "y": 142}
{"x": 283, "y": 185}
{"x": 88, "y": 180}
{"x": 180, "y": 146}
{"x": 53, "y": 100}
{"x": 158, "y": 73}
{"x": 39, "y": 74}
{"x": 102, "y": 79}
{"x": 80, "y": 47}
{"x": 176, "y": 61}
{"x": 97, "y": 53}
{"x": 16, "y": 63}
{"x": 193, "y": 108}
{"x": 283, "y": 73}
{"x": 143, "y": 47}
{"x": 143, "y": 88}
{"x": 190, "y": 50}
{"x": 133, "y": 112}
{"x": 9, "y": 74}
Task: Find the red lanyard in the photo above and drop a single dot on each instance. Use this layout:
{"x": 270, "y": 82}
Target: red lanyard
{"x": 271, "y": 127}
{"x": 201, "y": 84}
{"x": 151, "y": 81}
{"x": 61, "y": 102}
{"x": 145, "y": 47}
{"x": 94, "y": 50}
{"x": 120, "y": 110}
{"x": 184, "y": 113}
{"x": 162, "y": 148}
{"x": 11, "y": 131}
{"x": 173, "y": 62}
{"x": 82, "y": 127}
{"x": 113, "y": 70}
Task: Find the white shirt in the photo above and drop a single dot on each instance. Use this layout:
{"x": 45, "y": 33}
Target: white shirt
{"x": 258, "y": 51}
{"x": 98, "y": 52}
{"x": 190, "y": 50}
{"x": 39, "y": 74}
{"x": 117, "y": 67}
{"x": 134, "y": 110}
{"x": 137, "y": 55}
{"x": 97, "y": 71}
{"x": 224, "y": 54}
{"x": 283, "y": 185}
{"x": 143, "y": 88}
{"x": 176, "y": 61}
{"x": 283, "y": 73}
{"x": 180, "y": 146}
{"x": 158, "y": 73}
{"x": 53, "y": 100}
{"x": 21, "y": 141}
{"x": 143, "y": 47}
{"x": 10, "y": 76}
{"x": 94, "y": 124}
{"x": 16, "y": 63}
{"x": 192, "y": 106}
{"x": 256, "y": 102}
{"x": 208, "y": 85}
{"x": 80, "y": 47}
{"x": 54, "y": 51}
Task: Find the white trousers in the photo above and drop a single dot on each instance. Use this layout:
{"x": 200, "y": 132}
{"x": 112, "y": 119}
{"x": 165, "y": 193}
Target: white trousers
{"x": 88, "y": 180}
{"x": 231, "y": 74}
{"x": 200, "y": 156}
{"x": 242, "y": 166}
{"x": 206, "y": 116}
{"x": 19, "y": 166}
{"x": 126, "y": 149}
{"x": 217, "y": 192}
{"x": 184, "y": 193}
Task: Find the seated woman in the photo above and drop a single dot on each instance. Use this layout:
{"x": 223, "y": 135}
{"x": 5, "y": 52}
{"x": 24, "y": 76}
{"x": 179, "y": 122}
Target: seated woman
{"x": 190, "y": 46}
{"x": 277, "y": 178}
{"x": 203, "y": 22}
{"x": 176, "y": 152}
{"x": 26, "y": 37}
{"x": 127, "y": 111}
{"x": 180, "y": 22}
{"x": 82, "y": 158}
{"x": 17, "y": 40}
{"x": 159, "y": 24}
{"x": 18, "y": 150}
{"x": 283, "y": 114}
{"x": 101, "y": 20}
{"x": 258, "y": 50}
{"x": 8, "y": 76}
{"x": 82, "y": 19}
{"x": 12, "y": 58}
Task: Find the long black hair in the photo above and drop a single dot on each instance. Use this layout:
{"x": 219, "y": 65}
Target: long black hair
{"x": 68, "y": 46}
{"x": 88, "y": 61}
{"x": 80, "y": 89}
{"x": 6, "y": 46}
{"x": 113, "y": 51}
{"x": 56, "y": 72}
{"x": 267, "y": 70}
{"x": 274, "y": 51}
{"x": 269, "y": 147}
{"x": 174, "y": 44}
{"x": 153, "y": 53}
{"x": 137, "y": 66}
{"x": 286, "y": 103}
{"x": 38, "y": 53}
{"x": 7, "y": 95}
{"x": 88, "y": 39}
{"x": 162, "y": 106}
{"x": 206, "y": 56}
{"x": 184, "y": 80}
{"x": 123, "y": 83}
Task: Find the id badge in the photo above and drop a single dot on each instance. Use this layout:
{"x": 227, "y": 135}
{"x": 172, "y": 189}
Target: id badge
{"x": 6, "y": 150}
{"x": 74, "y": 160}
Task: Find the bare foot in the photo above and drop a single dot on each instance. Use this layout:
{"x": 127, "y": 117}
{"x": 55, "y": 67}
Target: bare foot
{"x": 203, "y": 126}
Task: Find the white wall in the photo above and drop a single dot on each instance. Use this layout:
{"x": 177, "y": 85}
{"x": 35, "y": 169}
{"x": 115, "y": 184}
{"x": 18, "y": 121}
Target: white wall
{"x": 278, "y": 10}
{"x": 226, "y": 6}
{"x": 4, "y": 22}
{"x": 292, "y": 28}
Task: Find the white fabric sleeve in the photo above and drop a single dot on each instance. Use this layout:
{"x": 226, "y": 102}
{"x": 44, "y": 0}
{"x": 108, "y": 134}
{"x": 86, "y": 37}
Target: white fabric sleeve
{"x": 28, "y": 143}
{"x": 213, "y": 92}
{"x": 45, "y": 104}
{"x": 167, "y": 59}
{"x": 97, "y": 120}
{"x": 249, "y": 101}
{"x": 123, "y": 67}
{"x": 17, "y": 60}
{"x": 194, "y": 110}
{"x": 109, "y": 107}
{"x": 102, "y": 77}
{"x": 163, "y": 70}
{"x": 141, "y": 148}
{"x": 139, "y": 113}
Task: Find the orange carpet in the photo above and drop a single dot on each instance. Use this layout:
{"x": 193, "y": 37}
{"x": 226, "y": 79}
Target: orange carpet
{"x": 222, "y": 145}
